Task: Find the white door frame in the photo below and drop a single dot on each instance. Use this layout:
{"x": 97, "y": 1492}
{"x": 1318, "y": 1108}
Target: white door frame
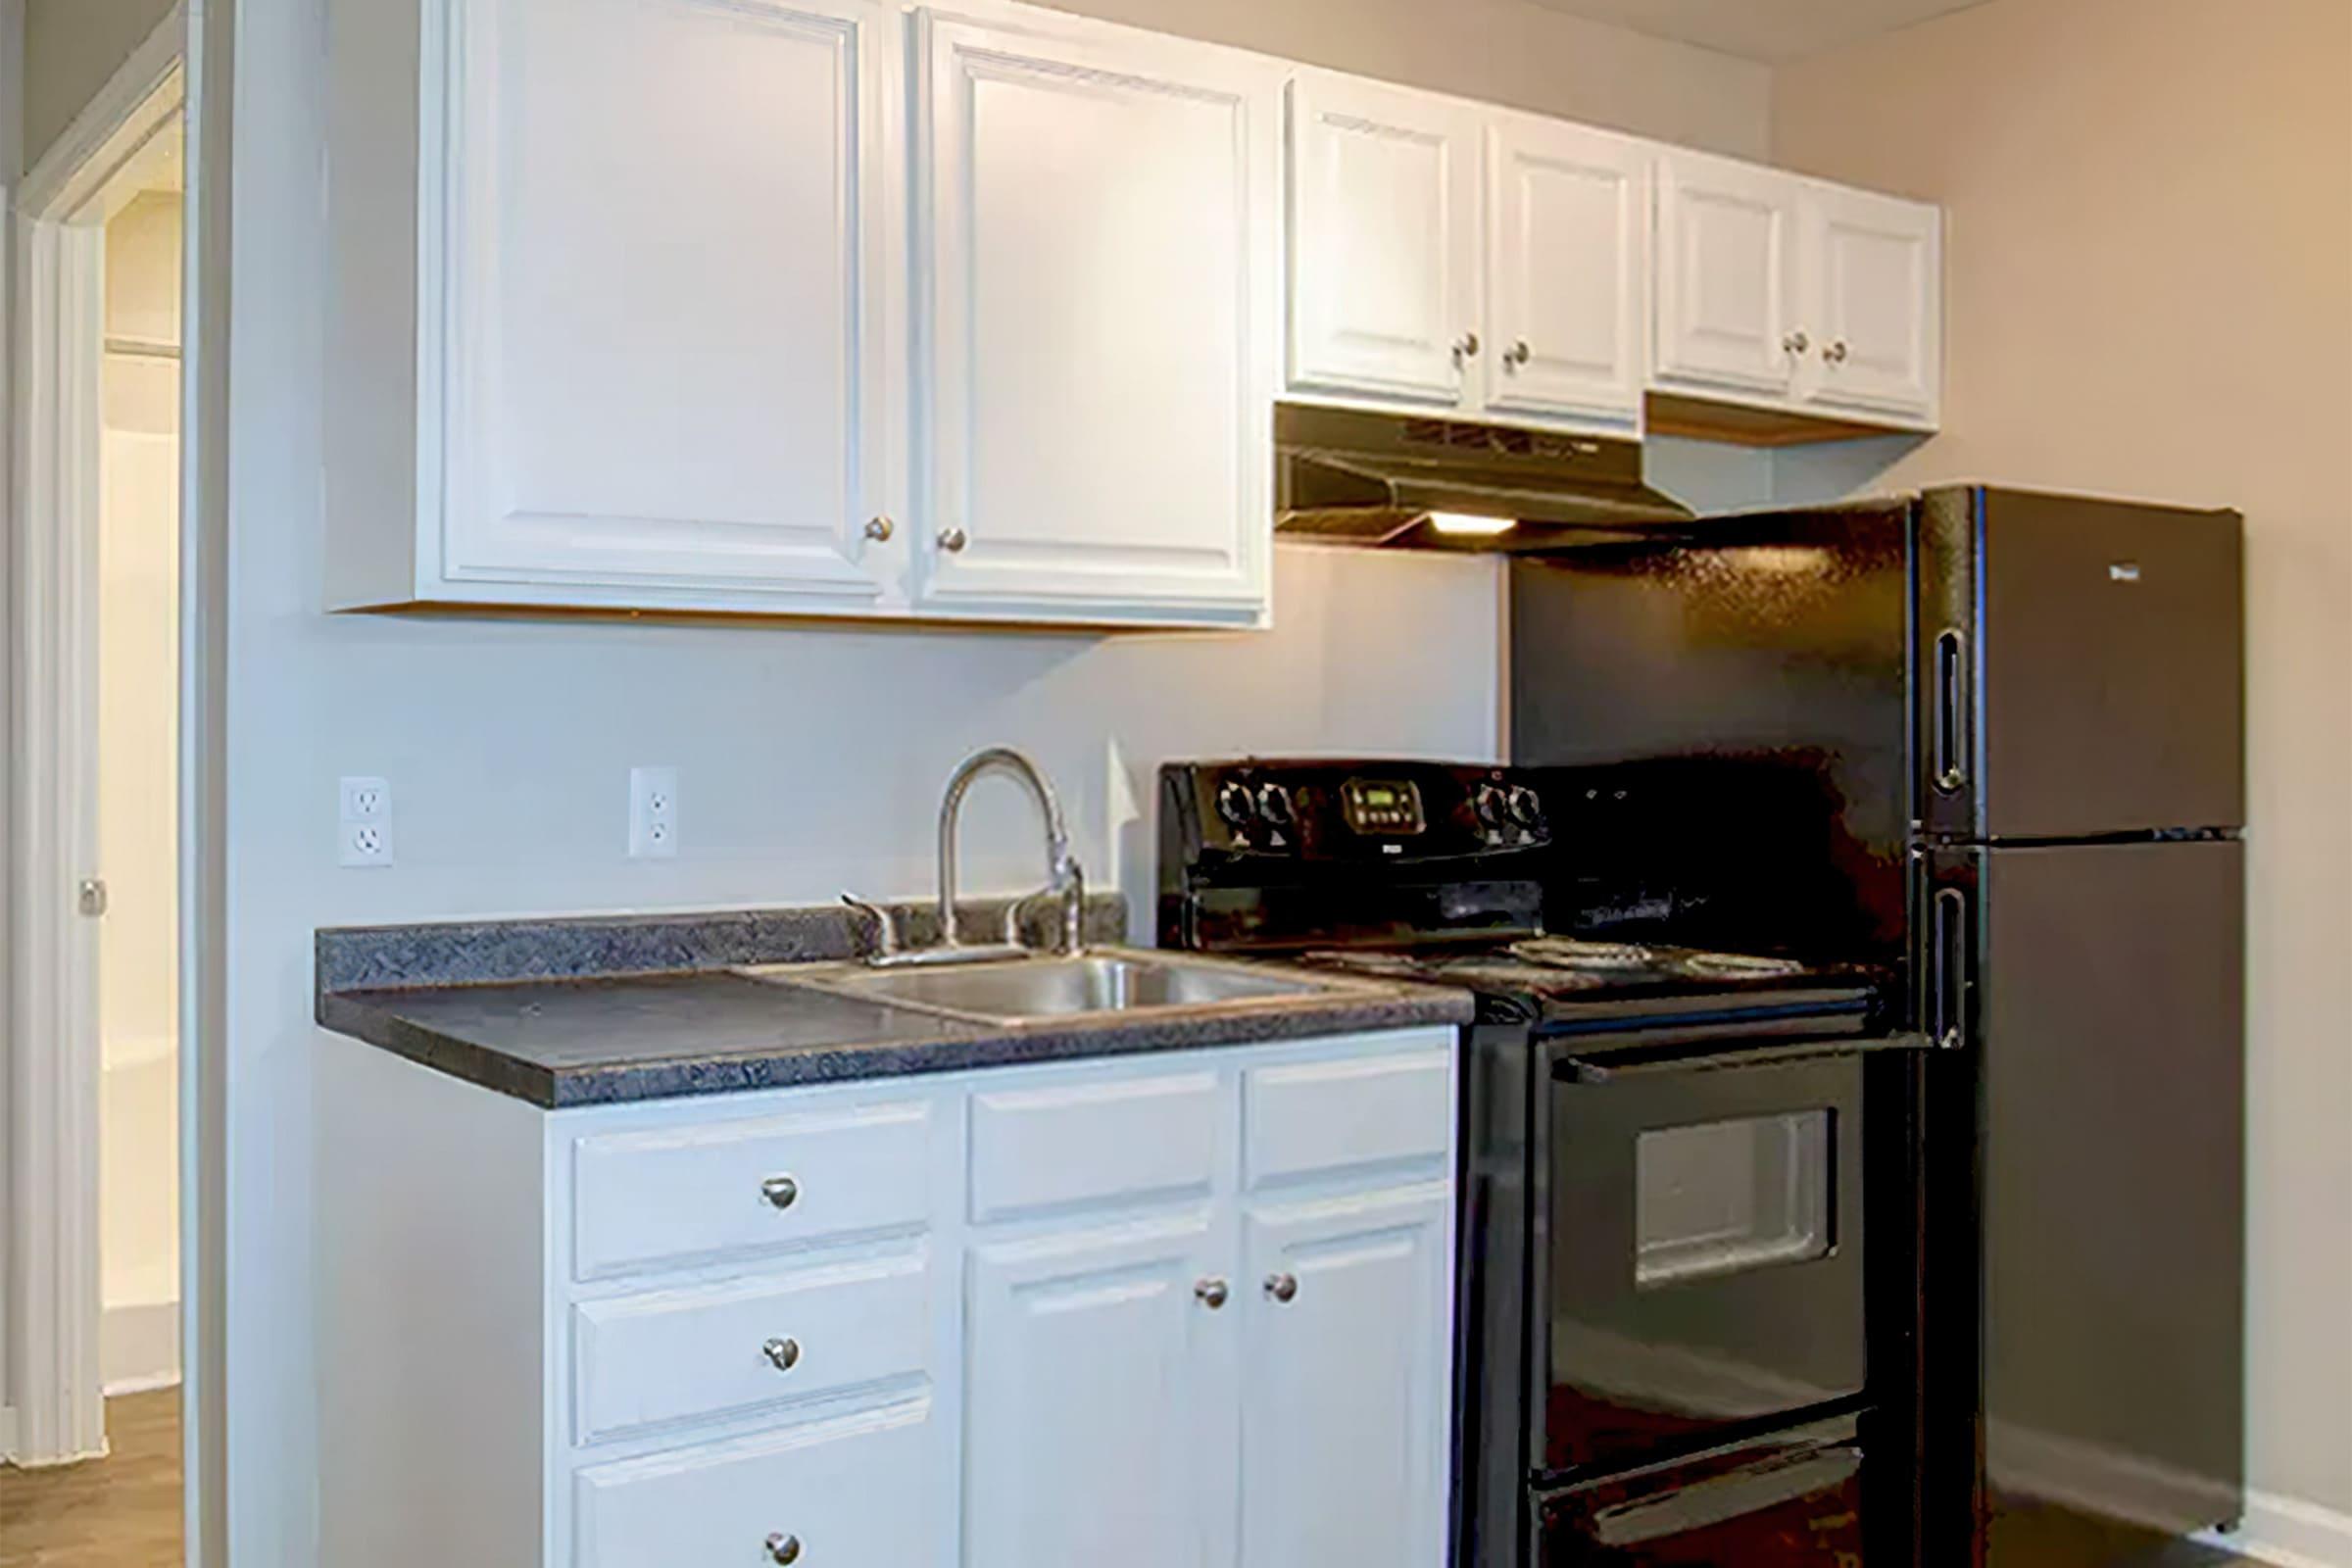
{"x": 53, "y": 1057}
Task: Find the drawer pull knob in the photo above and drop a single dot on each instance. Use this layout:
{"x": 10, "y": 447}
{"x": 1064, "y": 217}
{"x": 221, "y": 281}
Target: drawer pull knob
{"x": 782, "y": 1547}
{"x": 1211, "y": 1293}
{"x": 1282, "y": 1286}
{"x": 782, "y": 1355}
{"x": 781, "y": 1192}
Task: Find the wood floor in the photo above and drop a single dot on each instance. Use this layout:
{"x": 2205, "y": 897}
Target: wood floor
{"x": 123, "y": 1510}
{"x": 115, "y": 1512}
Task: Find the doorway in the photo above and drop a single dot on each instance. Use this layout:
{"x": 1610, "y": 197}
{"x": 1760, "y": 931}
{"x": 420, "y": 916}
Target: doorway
{"x": 91, "y": 1210}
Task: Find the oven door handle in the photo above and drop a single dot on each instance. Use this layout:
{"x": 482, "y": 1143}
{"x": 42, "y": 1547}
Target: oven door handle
{"x": 1586, "y": 1070}
{"x": 1727, "y": 1497}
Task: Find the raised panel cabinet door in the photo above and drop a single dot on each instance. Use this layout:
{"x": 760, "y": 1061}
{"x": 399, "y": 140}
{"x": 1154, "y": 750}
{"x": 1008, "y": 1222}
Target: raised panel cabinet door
{"x": 663, "y": 284}
{"x": 1100, "y": 242}
{"x": 1878, "y": 270}
{"x": 1346, "y": 1367}
{"x": 1099, "y": 1399}
{"x": 1567, "y": 270}
{"x": 1727, "y": 313}
{"x": 1384, "y": 241}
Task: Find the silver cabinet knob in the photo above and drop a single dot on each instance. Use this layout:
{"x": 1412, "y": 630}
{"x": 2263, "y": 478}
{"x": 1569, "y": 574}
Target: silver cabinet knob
{"x": 1212, "y": 1294}
{"x": 1518, "y": 353}
{"x": 1796, "y": 343}
{"x": 953, "y": 540}
{"x": 1282, "y": 1286}
{"x": 879, "y": 528}
{"x": 783, "y": 1548}
{"x": 781, "y": 1192}
{"x": 1834, "y": 353}
{"x": 1467, "y": 348}
{"x": 782, "y": 1355}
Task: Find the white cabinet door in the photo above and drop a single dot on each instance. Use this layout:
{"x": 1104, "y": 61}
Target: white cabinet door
{"x": 1877, "y": 268}
{"x": 1100, "y": 242}
{"x": 1567, "y": 270}
{"x": 1728, "y": 285}
{"x": 658, "y": 325}
{"x": 1346, "y": 1430}
{"x": 1384, "y": 241}
{"x": 1100, "y": 1400}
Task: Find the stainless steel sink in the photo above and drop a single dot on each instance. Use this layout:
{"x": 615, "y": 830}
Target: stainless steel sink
{"x": 1105, "y": 981}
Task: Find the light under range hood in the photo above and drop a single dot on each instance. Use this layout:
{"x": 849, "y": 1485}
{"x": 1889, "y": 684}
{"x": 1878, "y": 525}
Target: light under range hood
{"x": 1346, "y": 477}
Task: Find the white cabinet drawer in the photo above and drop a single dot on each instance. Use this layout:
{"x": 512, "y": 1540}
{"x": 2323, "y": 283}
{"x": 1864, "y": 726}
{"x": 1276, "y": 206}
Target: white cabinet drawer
{"x": 734, "y": 1346}
{"x": 856, "y": 1492}
{"x": 1322, "y": 1119}
{"x": 1100, "y": 1142}
{"x": 687, "y": 1194}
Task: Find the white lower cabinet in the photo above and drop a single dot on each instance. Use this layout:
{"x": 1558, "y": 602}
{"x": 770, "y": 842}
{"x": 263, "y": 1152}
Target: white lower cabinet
{"x": 1347, "y": 1378}
{"x": 1187, "y": 1310}
{"x": 1099, "y": 1415}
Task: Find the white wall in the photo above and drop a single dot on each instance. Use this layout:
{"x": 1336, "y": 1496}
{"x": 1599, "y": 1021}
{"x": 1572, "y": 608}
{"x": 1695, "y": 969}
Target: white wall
{"x": 2150, "y": 294}
{"x": 811, "y": 758}
{"x": 138, "y": 741}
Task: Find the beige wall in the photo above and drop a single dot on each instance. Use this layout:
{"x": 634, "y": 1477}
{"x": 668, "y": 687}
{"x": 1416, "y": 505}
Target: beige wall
{"x": 138, "y": 635}
{"x": 1499, "y": 51}
{"x": 2150, "y": 293}
{"x": 70, "y": 48}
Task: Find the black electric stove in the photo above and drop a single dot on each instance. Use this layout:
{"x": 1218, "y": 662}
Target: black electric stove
{"x": 1687, "y": 1278}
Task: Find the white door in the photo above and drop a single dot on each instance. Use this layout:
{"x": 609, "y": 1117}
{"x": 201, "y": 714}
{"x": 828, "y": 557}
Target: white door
{"x": 1346, "y": 1367}
{"x": 1384, "y": 241}
{"x": 662, "y": 324}
{"x": 1567, "y": 270}
{"x": 1726, "y": 276}
{"x": 1099, "y": 255}
{"x": 1877, "y": 265}
{"x": 1098, "y": 1419}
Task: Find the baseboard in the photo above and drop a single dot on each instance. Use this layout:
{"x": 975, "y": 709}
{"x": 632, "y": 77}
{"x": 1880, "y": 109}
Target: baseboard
{"x": 2288, "y": 1533}
{"x": 8, "y": 1432}
{"x": 139, "y": 1348}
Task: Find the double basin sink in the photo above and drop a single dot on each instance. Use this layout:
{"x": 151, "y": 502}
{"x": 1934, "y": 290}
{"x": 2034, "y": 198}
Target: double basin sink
{"x": 1099, "y": 982}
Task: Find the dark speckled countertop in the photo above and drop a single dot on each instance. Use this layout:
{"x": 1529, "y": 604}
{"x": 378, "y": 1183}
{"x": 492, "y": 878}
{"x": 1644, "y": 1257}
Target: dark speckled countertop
{"x": 565, "y": 1012}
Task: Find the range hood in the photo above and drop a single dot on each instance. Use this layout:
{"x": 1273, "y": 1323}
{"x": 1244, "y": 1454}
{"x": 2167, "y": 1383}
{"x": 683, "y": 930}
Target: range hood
{"x": 1397, "y": 480}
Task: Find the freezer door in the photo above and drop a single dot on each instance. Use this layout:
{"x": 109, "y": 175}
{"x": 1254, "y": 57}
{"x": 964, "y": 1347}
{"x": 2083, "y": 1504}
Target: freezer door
{"x": 2104, "y": 1077}
{"x": 2081, "y": 666}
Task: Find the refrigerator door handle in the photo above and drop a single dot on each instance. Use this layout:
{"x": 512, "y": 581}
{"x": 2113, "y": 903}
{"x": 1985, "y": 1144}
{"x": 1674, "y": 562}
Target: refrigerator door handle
{"x": 1947, "y": 970}
{"x": 1950, "y": 737}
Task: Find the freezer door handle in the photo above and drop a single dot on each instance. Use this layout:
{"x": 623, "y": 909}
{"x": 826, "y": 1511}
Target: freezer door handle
{"x": 1728, "y": 1496}
{"x": 1947, "y": 970}
{"x": 1949, "y": 741}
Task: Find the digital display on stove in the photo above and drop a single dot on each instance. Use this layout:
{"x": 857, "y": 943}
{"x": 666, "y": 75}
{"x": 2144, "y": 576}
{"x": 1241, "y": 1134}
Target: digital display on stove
{"x": 1381, "y": 805}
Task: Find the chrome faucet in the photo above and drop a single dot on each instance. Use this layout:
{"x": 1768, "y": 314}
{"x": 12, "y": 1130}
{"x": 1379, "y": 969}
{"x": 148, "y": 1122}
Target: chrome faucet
{"x": 1064, "y": 879}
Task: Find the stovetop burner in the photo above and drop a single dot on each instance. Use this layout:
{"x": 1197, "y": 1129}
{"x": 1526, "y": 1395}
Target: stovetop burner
{"x": 1574, "y": 953}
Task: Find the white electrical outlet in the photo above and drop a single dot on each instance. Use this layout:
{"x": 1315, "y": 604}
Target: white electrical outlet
{"x": 653, "y": 812}
{"x": 363, "y": 822}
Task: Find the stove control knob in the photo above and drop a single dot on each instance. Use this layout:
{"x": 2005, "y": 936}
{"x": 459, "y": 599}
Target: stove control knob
{"x": 1490, "y": 805}
{"x": 1526, "y": 809}
{"x": 1274, "y": 805}
{"x": 1234, "y": 804}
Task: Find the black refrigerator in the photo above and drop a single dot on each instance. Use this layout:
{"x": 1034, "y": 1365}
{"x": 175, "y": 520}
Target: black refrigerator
{"x": 1991, "y": 742}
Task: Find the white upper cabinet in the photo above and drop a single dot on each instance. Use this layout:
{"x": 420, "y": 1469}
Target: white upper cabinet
{"x": 650, "y": 354}
{"x": 1782, "y": 292}
{"x": 1728, "y": 292}
{"x": 1099, "y": 288}
{"x": 1880, "y": 266}
{"x": 1384, "y": 196}
{"x": 1567, "y": 259}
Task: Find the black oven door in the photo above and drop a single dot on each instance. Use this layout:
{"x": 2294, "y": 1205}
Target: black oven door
{"x": 1699, "y": 1245}
{"x": 1790, "y": 1502}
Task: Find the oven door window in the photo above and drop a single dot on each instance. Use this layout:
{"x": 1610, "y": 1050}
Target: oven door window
{"x": 1722, "y": 1197}
{"x": 1704, "y": 1256}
